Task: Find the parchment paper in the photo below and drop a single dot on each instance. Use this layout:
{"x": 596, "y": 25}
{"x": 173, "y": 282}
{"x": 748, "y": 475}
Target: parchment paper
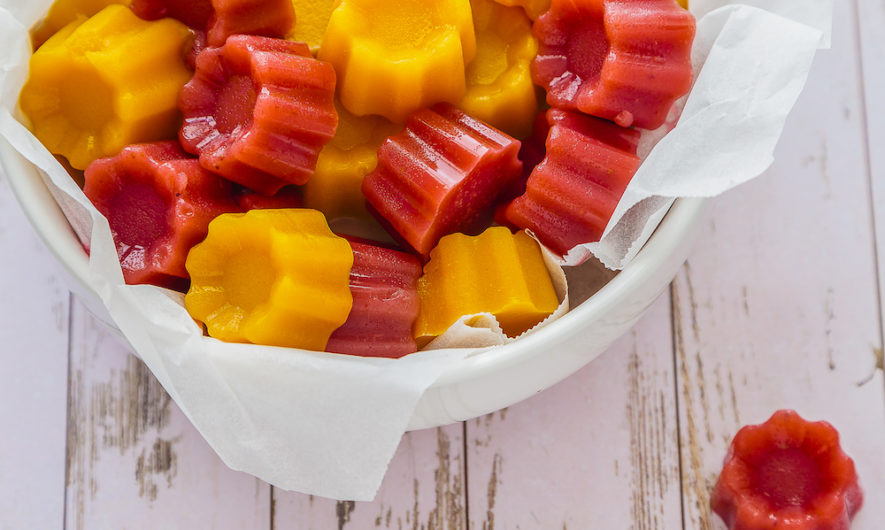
{"x": 328, "y": 424}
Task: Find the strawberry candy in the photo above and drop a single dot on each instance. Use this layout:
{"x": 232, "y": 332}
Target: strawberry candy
{"x": 269, "y": 18}
{"x": 383, "y": 283}
{"x": 194, "y": 13}
{"x": 288, "y": 197}
{"x": 258, "y": 111}
{"x": 573, "y": 193}
{"x": 158, "y": 203}
{"x": 440, "y": 175}
{"x": 787, "y": 473}
{"x": 622, "y": 60}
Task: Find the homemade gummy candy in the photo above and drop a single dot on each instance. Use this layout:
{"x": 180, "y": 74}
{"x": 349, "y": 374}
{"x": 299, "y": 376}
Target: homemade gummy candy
{"x": 500, "y": 91}
{"x": 533, "y": 8}
{"x": 394, "y": 58}
{"x": 312, "y": 18}
{"x": 63, "y": 12}
{"x": 442, "y": 174}
{"x": 787, "y": 473}
{"x": 100, "y": 85}
{"x": 336, "y": 186}
{"x": 496, "y": 272}
{"x": 268, "y": 18}
{"x": 258, "y": 111}
{"x": 272, "y": 277}
{"x": 573, "y": 193}
{"x": 623, "y": 60}
{"x": 287, "y": 197}
{"x": 383, "y": 283}
{"x": 194, "y": 13}
{"x": 159, "y": 203}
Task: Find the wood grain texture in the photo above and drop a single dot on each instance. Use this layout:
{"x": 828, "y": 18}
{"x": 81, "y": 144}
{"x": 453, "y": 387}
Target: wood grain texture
{"x": 599, "y": 450}
{"x": 423, "y": 490}
{"x": 134, "y": 460}
{"x": 33, "y": 378}
{"x": 777, "y": 307}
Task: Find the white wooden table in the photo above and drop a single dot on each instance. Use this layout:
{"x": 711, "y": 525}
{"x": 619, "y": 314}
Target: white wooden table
{"x": 779, "y": 306}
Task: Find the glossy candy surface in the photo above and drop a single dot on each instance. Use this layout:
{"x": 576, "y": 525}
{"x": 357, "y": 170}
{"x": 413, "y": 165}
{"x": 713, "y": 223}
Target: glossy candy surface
{"x": 573, "y": 193}
{"x": 194, "y": 13}
{"x": 268, "y": 18}
{"x": 273, "y": 277}
{"x": 623, "y": 60}
{"x": 533, "y": 8}
{"x": 287, "y": 197}
{"x": 496, "y": 272}
{"x": 258, "y": 111}
{"x": 440, "y": 175}
{"x": 787, "y": 473}
{"x": 111, "y": 81}
{"x": 63, "y": 12}
{"x": 383, "y": 283}
{"x": 394, "y": 58}
{"x": 312, "y": 18}
{"x": 158, "y": 203}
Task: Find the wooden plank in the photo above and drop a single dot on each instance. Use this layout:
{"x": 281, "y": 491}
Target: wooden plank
{"x": 424, "y": 488}
{"x": 134, "y": 460}
{"x": 599, "y": 450}
{"x": 33, "y": 380}
{"x": 777, "y": 306}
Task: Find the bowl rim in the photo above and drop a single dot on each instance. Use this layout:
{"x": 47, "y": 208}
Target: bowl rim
{"x": 54, "y": 229}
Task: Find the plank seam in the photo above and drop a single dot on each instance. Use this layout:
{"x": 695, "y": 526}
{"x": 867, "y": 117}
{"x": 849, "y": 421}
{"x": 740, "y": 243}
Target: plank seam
{"x": 64, "y": 512}
{"x": 464, "y": 474}
{"x": 676, "y": 397}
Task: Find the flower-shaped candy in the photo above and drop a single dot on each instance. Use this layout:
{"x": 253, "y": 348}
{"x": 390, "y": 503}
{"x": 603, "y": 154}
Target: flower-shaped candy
{"x": 394, "y": 58}
{"x": 258, "y": 111}
{"x": 787, "y": 474}
{"x": 158, "y": 203}
{"x": 622, "y": 60}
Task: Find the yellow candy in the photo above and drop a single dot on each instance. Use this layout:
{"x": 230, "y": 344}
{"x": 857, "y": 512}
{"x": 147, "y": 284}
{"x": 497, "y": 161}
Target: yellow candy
{"x": 393, "y": 58}
{"x": 111, "y": 81}
{"x": 311, "y": 19}
{"x": 272, "y": 277}
{"x": 496, "y": 272}
{"x": 500, "y": 91}
{"x": 533, "y": 8}
{"x": 336, "y": 186}
{"x": 683, "y": 3}
{"x": 63, "y": 12}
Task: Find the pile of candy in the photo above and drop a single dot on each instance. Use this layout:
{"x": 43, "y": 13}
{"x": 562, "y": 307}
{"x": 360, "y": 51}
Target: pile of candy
{"x": 409, "y": 113}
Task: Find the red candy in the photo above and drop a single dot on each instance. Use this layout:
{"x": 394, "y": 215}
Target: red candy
{"x": 623, "y": 60}
{"x": 385, "y": 303}
{"x": 573, "y": 193}
{"x": 158, "y": 203}
{"x": 194, "y": 13}
{"x": 258, "y": 111}
{"x": 270, "y": 18}
{"x": 288, "y": 197}
{"x": 787, "y": 473}
{"x": 440, "y": 175}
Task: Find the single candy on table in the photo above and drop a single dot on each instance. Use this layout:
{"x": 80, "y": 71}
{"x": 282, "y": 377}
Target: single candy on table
{"x": 496, "y": 272}
{"x": 441, "y": 175}
{"x": 500, "y": 91}
{"x": 312, "y": 18}
{"x": 158, "y": 203}
{"x": 258, "y": 111}
{"x": 336, "y": 186}
{"x": 112, "y": 81}
{"x": 623, "y": 60}
{"x": 268, "y": 18}
{"x": 63, "y": 12}
{"x": 383, "y": 283}
{"x": 787, "y": 473}
{"x": 272, "y": 277}
{"x": 194, "y": 13}
{"x": 573, "y": 193}
{"x": 394, "y": 58}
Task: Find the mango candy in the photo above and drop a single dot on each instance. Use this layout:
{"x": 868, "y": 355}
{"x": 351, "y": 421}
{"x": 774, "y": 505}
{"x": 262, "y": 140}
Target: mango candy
{"x": 258, "y": 111}
{"x": 111, "y": 81}
{"x": 312, "y": 18}
{"x": 496, "y": 272}
{"x": 272, "y": 277}
{"x": 158, "y": 202}
{"x": 63, "y": 12}
{"x": 500, "y": 91}
{"x": 336, "y": 186}
{"x": 533, "y": 8}
{"x": 393, "y": 58}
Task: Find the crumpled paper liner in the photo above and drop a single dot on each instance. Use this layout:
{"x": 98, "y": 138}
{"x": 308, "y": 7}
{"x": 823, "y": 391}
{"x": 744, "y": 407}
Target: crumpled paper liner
{"x": 329, "y": 424}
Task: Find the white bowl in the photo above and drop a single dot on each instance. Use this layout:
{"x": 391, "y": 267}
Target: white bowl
{"x": 479, "y": 384}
